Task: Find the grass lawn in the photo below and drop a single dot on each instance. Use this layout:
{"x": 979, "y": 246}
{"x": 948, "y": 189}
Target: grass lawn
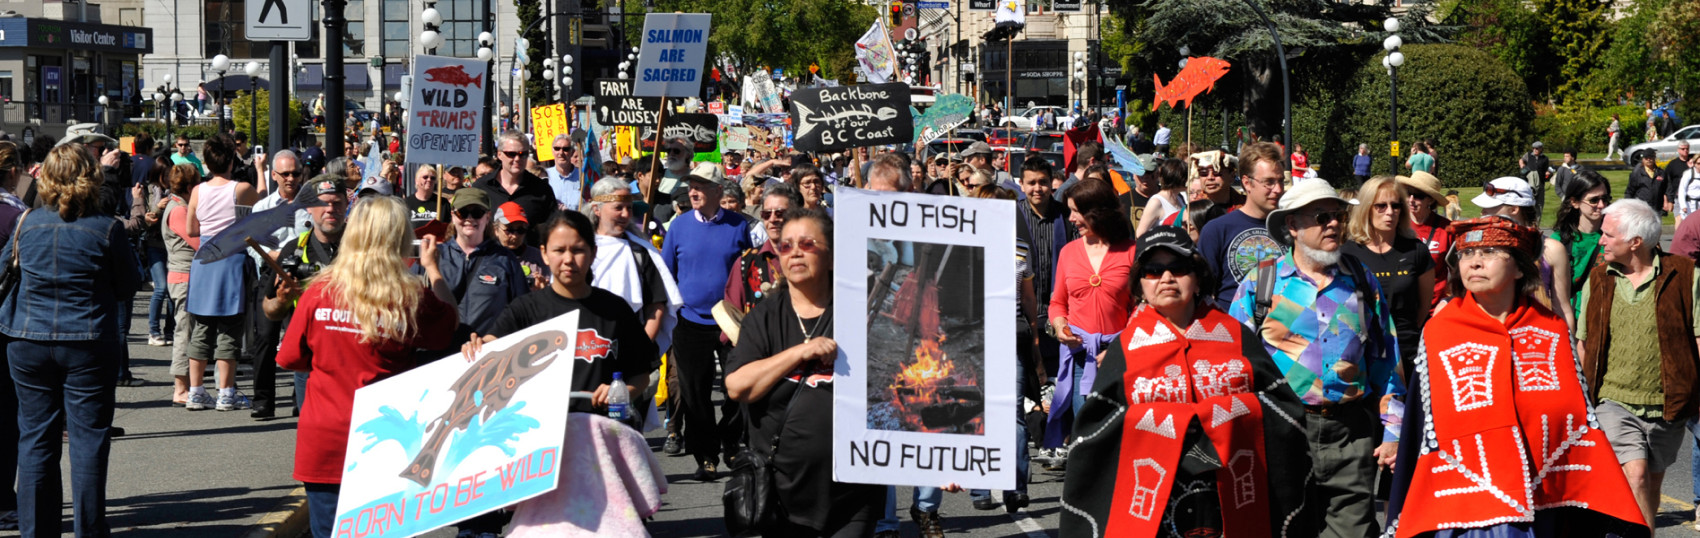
{"x": 1618, "y": 179}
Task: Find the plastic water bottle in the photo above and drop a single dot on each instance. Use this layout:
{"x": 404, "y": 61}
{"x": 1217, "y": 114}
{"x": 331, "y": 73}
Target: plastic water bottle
{"x": 619, "y": 400}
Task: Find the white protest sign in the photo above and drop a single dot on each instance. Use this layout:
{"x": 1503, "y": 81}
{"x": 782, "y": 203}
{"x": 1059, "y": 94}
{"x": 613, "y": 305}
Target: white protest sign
{"x": 735, "y": 114}
{"x": 670, "y": 61}
{"x": 924, "y": 385}
{"x": 454, "y": 439}
{"x": 448, "y": 108}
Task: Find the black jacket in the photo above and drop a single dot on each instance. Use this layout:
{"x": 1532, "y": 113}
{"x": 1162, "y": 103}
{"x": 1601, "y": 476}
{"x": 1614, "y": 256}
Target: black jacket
{"x": 1646, "y": 187}
{"x": 534, "y": 195}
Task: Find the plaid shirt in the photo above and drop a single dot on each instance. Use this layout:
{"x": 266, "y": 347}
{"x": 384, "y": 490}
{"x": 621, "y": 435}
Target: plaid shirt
{"x": 1319, "y": 340}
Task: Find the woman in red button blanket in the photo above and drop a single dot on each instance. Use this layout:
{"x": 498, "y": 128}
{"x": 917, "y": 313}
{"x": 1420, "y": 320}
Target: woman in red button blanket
{"x": 1508, "y": 445}
{"x": 1189, "y": 429}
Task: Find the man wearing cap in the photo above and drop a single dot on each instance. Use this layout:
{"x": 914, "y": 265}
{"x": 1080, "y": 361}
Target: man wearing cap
{"x": 1422, "y": 197}
{"x": 510, "y": 227}
{"x": 1511, "y": 197}
{"x": 1673, "y": 174}
{"x": 566, "y": 177}
{"x": 1535, "y": 167}
{"x": 1326, "y": 323}
{"x": 706, "y": 241}
{"x": 1638, "y": 329}
{"x": 484, "y": 274}
{"x": 676, "y": 164}
{"x": 512, "y": 182}
{"x": 303, "y": 254}
{"x": 1234, "y": 243}
{"x": 979, "y": 156}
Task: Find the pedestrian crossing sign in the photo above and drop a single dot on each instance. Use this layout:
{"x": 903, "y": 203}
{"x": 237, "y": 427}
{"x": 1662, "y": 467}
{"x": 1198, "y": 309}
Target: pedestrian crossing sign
{"x": 279, "y": 20}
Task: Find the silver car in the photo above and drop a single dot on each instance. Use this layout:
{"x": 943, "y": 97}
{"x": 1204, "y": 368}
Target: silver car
{"x": 1666, "y": 148}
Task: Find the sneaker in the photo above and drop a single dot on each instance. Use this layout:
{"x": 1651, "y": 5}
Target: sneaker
{"x": 705, "y": 472}
{"x": 673, "y": 447}
{"x": 1058, "y": 460}
{"x": 931, "y": 524}
{"x": 985, "y": 503}
{"x": 233, "y": 402}
{"x": 199, "y": 401}
{"x": 1015, "y": 500}
{"x": 156, "y": 341}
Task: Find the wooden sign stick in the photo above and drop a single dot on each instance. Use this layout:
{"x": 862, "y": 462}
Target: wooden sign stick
{"x": 656, "y": 154}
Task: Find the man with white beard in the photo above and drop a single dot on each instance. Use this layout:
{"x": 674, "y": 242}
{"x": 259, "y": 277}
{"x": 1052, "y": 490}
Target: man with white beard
{"x": 1321, "y": 316}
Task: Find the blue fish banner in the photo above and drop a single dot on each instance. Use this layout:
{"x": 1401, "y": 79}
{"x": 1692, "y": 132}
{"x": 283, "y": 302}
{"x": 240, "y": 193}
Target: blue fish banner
{"x": 456, "y": 438}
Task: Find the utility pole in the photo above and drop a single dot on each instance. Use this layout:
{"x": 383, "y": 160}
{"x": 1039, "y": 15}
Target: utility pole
{"x": 335, "y": 110}
{"x": 488, "y": 132}
{"x": 277, "y": 133}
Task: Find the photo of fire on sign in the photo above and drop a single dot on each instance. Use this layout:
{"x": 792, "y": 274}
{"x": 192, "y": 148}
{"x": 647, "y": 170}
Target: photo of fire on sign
{"x": 926, "y": 337}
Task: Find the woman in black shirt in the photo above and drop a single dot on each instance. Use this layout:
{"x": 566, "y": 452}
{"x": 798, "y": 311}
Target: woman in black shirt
{"x": 1380, "y": 236}
{"x": 782, "y": 372}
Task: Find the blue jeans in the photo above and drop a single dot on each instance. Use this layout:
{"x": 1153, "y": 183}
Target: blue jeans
{"x": 1694, "y": 461}
{"x": 925, "y": 500}
{"x": 1020, "y": 443}
{"x": 321, "y": 507}
{"x": 63, "y": 385}
{"x": 161, "y": 321}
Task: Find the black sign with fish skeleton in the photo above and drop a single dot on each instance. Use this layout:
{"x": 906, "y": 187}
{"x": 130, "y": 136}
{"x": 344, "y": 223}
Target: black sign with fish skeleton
{"x": 702, "y": 130}
{"x": 834, "y": 119}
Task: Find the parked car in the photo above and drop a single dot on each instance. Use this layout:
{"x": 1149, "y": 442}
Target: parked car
{"x": 1024, "y": 118}
{"x": 947, "y": 146}
{"x": 1002, "y": 136}
{"x": 1665, "y": 149}
{"x": 1018, "y": 157}
{"x": 1044, "y": 141}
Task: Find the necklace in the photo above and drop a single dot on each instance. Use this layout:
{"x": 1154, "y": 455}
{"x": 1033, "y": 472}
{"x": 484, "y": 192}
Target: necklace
{"x": 822, "y": 321}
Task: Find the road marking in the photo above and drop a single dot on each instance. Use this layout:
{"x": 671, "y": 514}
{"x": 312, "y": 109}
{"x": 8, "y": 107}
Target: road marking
{"x": 1027, "y": 524}
{"x": 1673, "y": 500}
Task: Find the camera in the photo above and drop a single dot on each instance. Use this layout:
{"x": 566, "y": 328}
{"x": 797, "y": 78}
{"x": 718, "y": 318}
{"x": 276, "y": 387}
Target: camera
{"x": 296, "y": 268}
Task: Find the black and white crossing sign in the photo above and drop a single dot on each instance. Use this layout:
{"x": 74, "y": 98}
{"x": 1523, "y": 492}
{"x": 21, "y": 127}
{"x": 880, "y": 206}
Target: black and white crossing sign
{"x": 280, "y": 20}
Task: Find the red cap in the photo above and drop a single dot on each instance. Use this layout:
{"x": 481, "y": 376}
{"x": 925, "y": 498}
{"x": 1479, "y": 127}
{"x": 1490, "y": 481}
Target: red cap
{"x": 509, "y": 213}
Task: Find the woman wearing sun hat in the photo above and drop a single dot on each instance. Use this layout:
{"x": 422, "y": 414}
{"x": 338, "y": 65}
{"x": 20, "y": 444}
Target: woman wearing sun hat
{"x": 1423, "y": 201}
{"x": 1511, "y": 197}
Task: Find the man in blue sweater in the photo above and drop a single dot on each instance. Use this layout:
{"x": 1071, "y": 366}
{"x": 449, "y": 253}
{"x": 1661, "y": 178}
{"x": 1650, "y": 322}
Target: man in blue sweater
{"x": 700, "y": 249}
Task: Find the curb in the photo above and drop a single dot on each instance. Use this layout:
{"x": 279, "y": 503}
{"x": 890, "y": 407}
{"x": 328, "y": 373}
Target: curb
{"x": 287, "y": 520}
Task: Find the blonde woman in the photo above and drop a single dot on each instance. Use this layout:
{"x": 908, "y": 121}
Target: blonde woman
{"x": 383, "y": 313}
{"x": 1379, "y": 235}
{"x": 75, "y": 266}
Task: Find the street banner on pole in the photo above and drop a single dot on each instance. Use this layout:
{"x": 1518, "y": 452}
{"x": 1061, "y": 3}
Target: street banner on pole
{"x": 455, "y": 438}
{"x": 833, "y": 119}
{"x": 443, "y": 123}
{"x": 670, "y": 63}
{"x": 548, "y": 122}
{"x": 948, "y": 112}
{"x": 924, "y": 384}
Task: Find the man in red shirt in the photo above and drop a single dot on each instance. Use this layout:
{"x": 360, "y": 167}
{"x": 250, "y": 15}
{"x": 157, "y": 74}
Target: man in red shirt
{"x": 1423, "y": 197}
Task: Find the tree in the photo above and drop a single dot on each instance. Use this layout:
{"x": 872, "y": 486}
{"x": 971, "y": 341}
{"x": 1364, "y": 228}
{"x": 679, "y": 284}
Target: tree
{"x": 1555, "y": 45}
{"x": 789, "y": 35}
{"x": 244, "y": 110}
{"x": 1576, "y": 33}
{"x": 536, "y": 88}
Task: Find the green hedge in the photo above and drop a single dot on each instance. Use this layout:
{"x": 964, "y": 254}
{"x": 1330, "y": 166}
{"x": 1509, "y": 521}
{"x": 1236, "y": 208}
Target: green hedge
{"x": 262, "y": 109}
{"x": 1476, "y": 109}
{"x": 160, "y": 131}
{"x": 1583, "y": 128}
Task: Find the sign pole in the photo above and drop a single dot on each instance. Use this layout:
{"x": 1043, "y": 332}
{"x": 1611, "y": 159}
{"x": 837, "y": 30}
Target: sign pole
{"x": 655, "y": 153}
{"x": 440, "y": 181}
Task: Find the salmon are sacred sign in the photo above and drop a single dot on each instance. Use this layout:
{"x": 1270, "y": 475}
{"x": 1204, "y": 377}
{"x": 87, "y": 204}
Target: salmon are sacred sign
{"x": 448, "y": 107}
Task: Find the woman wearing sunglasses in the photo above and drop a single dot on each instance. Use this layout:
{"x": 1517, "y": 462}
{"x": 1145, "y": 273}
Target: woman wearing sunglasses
{"x": 1511, "y": 198}
{"x": 1506, "y": 439}
{"x": 1379, "y": 235}
{"x": 782, "y": 371}
{"x": 1578, "y": 227}
{"x": 1181, "y": 364}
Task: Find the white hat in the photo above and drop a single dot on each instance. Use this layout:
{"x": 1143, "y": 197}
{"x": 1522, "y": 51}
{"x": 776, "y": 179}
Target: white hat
{"x": 1505, "y": 191}
{"x": 1303, "y": 193}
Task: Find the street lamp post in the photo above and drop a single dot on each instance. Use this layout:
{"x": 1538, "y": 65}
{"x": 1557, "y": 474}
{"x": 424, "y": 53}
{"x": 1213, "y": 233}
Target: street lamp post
{"x": 1286, "y": 82}
{"x": 1392, "y": 62}
{"x": 103, "y": 112}
{"x": 336, "y": 112}
{"x": 176, "y": 97}
{"x": 253, "y": 70}
{"x": 220, "y": 65}
{"x": 567, "y": 86}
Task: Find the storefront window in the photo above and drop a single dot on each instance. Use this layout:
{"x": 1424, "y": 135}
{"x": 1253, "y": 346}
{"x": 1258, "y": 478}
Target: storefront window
{"x": 310, "y": 48}
{"x": 226, "y": 31}
{"x": 462, "y": 20}
{"x": 6, "y": 85}
{"x": 354, "y": 37}
{"x": 397, "y": 32}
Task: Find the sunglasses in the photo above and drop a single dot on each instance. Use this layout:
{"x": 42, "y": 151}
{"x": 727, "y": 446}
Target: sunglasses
{"x": 1324, "y": 218}
{"x": 1389, "y": 207}
{"x": 280, "y": 173}
{"x": 514, "y": 154}
{"x": 1153, "y": 271}
{"x": 1491, "y": 190}
{"x": 770, "y": 214}
{"x": 805, "y": 244}
{"x": 182, "y": 145}
{"x": 1604, "y": 199}
{"x": 471, "y": 213}
{"x": 564, "y": 149}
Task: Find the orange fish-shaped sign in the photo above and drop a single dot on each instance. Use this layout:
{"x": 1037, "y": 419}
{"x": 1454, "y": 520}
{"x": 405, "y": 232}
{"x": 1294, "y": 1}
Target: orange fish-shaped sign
{"x": 454, "y": 75}
{"x": 1198, "y": 77}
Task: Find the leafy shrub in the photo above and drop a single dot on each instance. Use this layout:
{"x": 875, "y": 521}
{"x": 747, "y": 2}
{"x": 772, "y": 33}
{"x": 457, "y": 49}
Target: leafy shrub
{"x": 262, "y": 109}
{"x": 1583, "y": 128}
{"x": 160, "y": 131}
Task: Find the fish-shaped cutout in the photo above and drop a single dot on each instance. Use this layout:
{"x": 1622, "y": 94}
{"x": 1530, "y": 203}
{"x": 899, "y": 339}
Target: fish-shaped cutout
{"x": 809, "y": 119}
{"x": 1199, "y": 76}
{"x": 454, "y": 75}
{"x": 487, "y": 387}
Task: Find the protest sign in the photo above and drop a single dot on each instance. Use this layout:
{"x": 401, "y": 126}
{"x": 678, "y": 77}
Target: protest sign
{"x": 738, "y": 139}
{"x": 454, "y": 439}
{"x": 448, "y": 108}
{"x": 615, "y": 104}
{"x": 924, "y": 385}
{"x": 947, "y": 112}
{"x": 547, "y": 122}
{"x": 833, "y": 119}
{"x": 735, "y": 114}
{"x": 670, "y": 61}
{"x": 717, "y": 107}
{"x": 702, "y": 130}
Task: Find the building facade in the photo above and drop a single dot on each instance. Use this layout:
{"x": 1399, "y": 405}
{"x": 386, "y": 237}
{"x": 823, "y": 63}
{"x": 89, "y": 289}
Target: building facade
{"x": 1043, "y": 56}
{"x": 58, "y": 59}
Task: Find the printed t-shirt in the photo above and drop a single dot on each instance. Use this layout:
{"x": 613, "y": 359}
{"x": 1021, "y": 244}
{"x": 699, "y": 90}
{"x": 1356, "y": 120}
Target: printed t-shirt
{"x": 610, "y": 338}
{"x": 1233, "y": 244}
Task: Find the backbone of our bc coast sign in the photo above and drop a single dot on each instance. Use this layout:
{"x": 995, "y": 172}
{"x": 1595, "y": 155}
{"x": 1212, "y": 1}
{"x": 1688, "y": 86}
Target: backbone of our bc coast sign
{"x": 924, "y": 383}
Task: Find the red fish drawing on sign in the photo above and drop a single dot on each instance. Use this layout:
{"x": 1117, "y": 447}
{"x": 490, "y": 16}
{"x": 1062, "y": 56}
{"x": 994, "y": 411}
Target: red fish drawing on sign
{"x": 454, "y": 75}
{"x": 591, "y": 346}
{"x": 1198, "y": 77}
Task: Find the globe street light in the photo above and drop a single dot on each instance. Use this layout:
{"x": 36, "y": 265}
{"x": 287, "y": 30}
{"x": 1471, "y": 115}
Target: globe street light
{"x": 1392, "y": 61}
{"x": 253, "y": 71}
{"x": 220, "y": 65}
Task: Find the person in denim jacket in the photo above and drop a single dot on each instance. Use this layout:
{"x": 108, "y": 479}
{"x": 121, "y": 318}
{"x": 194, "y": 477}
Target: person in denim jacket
{"x": 76, "y": 263}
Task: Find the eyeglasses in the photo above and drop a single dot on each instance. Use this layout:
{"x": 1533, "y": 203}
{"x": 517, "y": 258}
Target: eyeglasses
{"x": 1324, "y": 218}
{"x": 1483, "y": 252}
{"x": 471, "y": 213}
{"x": 770, "y": 214}
{"x": 514, "y": 154}
{"x": 1153, "y": 271}
{"x": 1389, "y": 207}
{"x": 1604, "y": 199}
{"x": 293, "y": 173}
{"x": 807, "y": 245}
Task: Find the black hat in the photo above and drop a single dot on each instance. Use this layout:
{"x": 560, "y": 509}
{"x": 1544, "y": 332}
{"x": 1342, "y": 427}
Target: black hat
{"x": 1165, "y": 237}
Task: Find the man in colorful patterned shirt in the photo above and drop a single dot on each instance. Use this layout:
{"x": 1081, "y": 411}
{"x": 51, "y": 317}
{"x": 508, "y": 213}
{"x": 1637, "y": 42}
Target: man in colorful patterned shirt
{"x": 1331, "y": 333}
